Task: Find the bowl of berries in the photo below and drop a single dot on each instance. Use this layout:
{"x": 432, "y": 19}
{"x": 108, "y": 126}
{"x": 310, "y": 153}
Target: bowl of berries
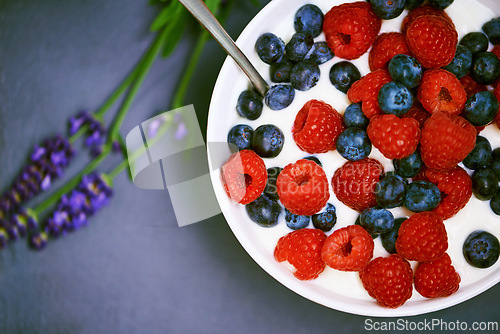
{"x": 367, "y": 177}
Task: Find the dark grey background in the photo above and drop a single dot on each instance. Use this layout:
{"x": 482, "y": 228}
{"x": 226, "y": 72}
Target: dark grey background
{"x": 132, "y": 270}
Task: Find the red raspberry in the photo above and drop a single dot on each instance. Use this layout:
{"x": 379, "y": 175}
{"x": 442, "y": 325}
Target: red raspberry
{"x": 366, "y": 90}
{"x": 446, "y": 140}
{"x": 351, "y": 28}
{"x": 389, "y": 280}
{"x": 348, "y": 249}
{"x": 386, "y": 46}
{"x": 244, "y": 176}
{"x": 422, "y": 10}
{"x": 418, "y": 113}
{"x": 436, "y": 278}
{"x": 432, "y": 40}
{"x": 440, "y": 90}
{"x": 354, "y": 183}
{"x": 422, "y": 237}
{"x": 456, "y": 190}
{"x": 394, "y": 137}
{"x": 471, "y": 86}
{"x": 303, "y": 187}
{"x": 302, "y": 249}
{"x": 316, "y": 127}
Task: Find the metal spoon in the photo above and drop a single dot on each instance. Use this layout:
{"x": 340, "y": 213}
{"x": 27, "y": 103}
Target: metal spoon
{"x": 200, "y": 11}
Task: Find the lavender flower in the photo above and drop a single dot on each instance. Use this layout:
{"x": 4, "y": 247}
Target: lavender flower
{"x": 96, "y": 132}
{"x": 47, "y": 163}
{"x": 73, "y": 209}
{"x": 38, "y": 240}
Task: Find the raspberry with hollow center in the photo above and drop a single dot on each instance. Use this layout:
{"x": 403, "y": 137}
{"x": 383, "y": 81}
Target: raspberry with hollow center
{"x": 351, "y": 28}
{"x": 303, "y": 187}
{"x": 348, "y": 249}
{"x": 440, "y": 90}
{"x": 244, "y": 176}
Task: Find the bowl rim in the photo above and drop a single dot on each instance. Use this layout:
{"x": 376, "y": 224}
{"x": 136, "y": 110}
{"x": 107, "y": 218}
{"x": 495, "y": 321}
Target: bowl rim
{"x": 373, "y": 310}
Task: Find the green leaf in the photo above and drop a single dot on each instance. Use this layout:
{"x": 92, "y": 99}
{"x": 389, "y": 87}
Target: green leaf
{"x": 213, "y": 5}
{"x": 175, "y": 31}
{"x": 166, "y": 15}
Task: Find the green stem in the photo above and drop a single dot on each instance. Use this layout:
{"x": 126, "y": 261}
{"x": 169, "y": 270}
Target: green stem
{"x": 146, "y": 64}
{"x": 56, "y": 196}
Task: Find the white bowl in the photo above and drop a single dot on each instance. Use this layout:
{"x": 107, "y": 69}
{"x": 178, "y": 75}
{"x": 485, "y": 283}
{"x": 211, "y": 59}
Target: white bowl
{"x": 338, "y": 290}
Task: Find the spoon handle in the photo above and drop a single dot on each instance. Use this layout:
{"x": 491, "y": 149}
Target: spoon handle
{"x": 200, "y": 11}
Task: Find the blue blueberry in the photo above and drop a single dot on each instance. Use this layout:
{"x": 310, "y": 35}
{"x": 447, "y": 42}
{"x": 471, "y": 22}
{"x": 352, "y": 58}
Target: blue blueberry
{"x": 461, "y": 63}
{"x": 309, "y": 19}
{"x": 296, "y": 222}
{"x": 409, "y": 166}
{"x": 475, "y": 41}
{"x": 271, "y": 191}
{"x": 270, "y": 48}
{"x": 354, "y": 117}
{"x": 484, "y": 184}
{"x": 480, "y": 156}
{"x": 376, "y": 220}
{"x": 495, "y": 203}
{"x": 393, "y": 173}
{"x": 395, "y": 98}
{"x": 299, "y": 46}
{"x": 240, "y": 137}
{"x": 264, "y": 211}
{"x": 405, "y": 70}
{"x": 326, "y": 219}
{"x": 358, "y": 222}
{"x": 389, "y": 239}
{"x": 481, "y": 108}
{"x": 485, "y": 68}
{"x": 305, "y": 75}
{"x": 353, "y": 144}
{"x": 314, "y": 159}
{"x": 343, "y": 74}
{"x": 388, "y": 9}
{"x": 280, "y": 71}
{"x": 279, "y": 96}
{"x": 267, "y": 141}
{"x": 249, "y": 104}
{"x": 481, "y": 249}
{"x": 320, "y": 53}
{"x": 390, "y": 192}
{"x": 412, "y": 4}
{"x": 492, "y": 30}
{"x": 440, "y": 4}
{"x": 422, "y": 196}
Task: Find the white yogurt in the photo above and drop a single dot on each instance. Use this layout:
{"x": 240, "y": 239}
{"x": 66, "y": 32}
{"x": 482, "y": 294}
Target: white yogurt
{"x": 468, "y": 15}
